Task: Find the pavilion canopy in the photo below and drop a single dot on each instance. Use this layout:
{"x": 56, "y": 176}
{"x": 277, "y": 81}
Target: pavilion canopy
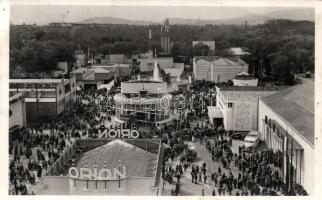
{"x": 106, "y": 86}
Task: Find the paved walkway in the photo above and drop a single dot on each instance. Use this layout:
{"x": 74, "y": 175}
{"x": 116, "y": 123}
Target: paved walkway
{"x": 23, "y": 159}
{"x": 203, "y": 155}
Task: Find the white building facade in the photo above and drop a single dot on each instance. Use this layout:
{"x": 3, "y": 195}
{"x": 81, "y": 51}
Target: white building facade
{"x": 238, "y": 106}
{"x": 286, "y": 121}
{"x": 17, "y": 110}
{"x": 217, "y": 69}
{"x": 45, "y": 97}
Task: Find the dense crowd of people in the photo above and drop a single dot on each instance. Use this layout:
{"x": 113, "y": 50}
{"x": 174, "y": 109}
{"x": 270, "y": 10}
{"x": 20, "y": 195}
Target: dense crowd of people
{"x": 36, "y": 148}
{"x": 259, "y": 173}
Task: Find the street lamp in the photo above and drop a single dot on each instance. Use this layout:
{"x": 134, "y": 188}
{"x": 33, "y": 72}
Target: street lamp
{"x": 119, "y": 166}
{"x": 155, "y": 106}
{"x": 85, "y": 166}
{"x": 95, "y": 169}
{"x": 104, "y": 166}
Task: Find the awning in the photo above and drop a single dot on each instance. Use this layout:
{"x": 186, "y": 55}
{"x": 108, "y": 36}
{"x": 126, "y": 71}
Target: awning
{"x": 118, "y": 120}
{"x": 106, "y": 86}
{"x": 14, "y": 128}
{"x": 213, "y": 112}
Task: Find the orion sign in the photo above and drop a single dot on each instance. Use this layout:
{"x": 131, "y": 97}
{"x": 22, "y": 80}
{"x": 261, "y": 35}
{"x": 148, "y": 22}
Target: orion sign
{"x": 119, "y": 133}
{"x": 95, "y": 174}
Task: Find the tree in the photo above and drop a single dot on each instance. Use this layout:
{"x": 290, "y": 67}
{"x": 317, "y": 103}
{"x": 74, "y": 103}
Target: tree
{"x": 200, "y": 50}
{"x": 274, "y": 46}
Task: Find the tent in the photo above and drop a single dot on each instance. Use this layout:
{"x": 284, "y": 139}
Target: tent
{"x": 106, "y": 86}
{"x": 78, "y": 88}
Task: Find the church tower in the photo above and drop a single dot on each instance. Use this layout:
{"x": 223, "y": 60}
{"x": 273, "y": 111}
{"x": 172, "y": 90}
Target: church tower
{"x": 165, "y": 37}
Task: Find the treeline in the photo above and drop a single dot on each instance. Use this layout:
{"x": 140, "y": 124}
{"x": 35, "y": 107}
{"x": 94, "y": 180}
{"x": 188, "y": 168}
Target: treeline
{"x": 279, "y": 48}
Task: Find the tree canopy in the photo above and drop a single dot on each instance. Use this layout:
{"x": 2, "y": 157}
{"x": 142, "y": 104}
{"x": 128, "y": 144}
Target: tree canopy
{"x": 278, "y": 47}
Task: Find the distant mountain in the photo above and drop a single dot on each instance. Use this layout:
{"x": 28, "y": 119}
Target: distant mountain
{"x": 291, "y": 14}
{"x": 113, "y": 20}
{"x": 297, "y": 14}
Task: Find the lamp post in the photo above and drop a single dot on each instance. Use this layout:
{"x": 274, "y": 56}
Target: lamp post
{"x": 155, "y": 106}
{"x": 104, "y": 166}
{"x": 73, "y": 165}
{"x": 95, "y": 169}
{"x": 85, "y": 166}
{"x": 119, "y": 166}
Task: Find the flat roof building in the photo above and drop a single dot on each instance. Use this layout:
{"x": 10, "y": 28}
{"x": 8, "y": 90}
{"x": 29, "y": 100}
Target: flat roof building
{"x": 147, "y": 64}
{"x": 45, "y": 97}
{"x": 96, "y": 75}
{"x": 237, "y": 106}
{"x": 17, "y": 110}
{"x": 217, "y": 69}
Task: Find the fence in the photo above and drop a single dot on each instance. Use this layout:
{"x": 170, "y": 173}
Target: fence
{"x": 63, "y": 162}
{"x": 60, "y": 163}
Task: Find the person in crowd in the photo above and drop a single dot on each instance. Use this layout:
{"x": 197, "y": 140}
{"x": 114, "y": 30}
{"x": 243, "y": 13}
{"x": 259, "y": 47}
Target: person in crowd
{"x": 214, "y": 192}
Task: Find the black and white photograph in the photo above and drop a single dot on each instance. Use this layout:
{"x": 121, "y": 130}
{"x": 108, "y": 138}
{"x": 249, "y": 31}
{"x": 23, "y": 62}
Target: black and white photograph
{"x": 172, "y": 100}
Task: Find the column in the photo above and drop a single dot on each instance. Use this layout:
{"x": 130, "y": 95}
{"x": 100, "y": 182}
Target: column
{"x": 212, "y": 72}
{"x": 285, "y": 158}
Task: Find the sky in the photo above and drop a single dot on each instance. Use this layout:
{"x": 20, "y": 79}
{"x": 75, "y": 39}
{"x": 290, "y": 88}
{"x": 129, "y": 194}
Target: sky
{"x": 44, "y": 14}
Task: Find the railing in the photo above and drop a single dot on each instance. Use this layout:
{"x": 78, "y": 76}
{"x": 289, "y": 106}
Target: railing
{"x": 252, "y": 88}
{"x": 159, "y": 170}
{"x": 59, "y": 164}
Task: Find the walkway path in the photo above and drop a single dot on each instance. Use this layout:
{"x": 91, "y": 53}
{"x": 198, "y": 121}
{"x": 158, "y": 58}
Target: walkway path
{"x": 203, "y": 155}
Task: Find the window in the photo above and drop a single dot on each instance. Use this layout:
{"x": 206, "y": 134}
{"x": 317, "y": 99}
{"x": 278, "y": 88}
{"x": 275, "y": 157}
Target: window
{"x": 269, "y": 123}
{"x": 150, "y": 66}
{"x": 67, "y": 88}
{"x": 230, "y": 105}
{"x": 274, "y": 127}
{"x": 266, "y": 119}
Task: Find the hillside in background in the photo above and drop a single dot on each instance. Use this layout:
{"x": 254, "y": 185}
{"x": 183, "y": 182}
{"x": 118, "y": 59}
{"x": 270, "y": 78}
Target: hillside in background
{"x": 296, "y": 14}
{"x": 113, "y": 20}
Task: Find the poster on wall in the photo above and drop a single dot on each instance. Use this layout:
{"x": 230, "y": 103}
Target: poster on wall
{"x": 242, "y": 117}
{"x": 60, "y": 92}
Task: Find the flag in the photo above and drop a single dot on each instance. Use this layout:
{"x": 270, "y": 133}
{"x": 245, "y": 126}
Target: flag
{"x": 150, "y": 34}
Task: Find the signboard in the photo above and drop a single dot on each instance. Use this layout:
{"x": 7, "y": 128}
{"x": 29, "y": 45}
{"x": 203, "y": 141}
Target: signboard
{"x": 120, "y": 133}
{"x": 89, "y": 75}
{"x": 242, "y": 117}
{"x": 95, "y": 174}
